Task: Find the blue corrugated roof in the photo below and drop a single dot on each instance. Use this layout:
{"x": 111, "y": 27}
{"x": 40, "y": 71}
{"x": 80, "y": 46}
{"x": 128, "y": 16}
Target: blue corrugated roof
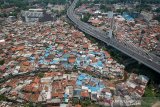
{"x": 78, "y": 82}
{"x": 32, "y": 57}
{"x": 31, "y": 60}
{"x": 41, "y": 61}
{"x": 83, "y": 76}
{"x": 46, "y": 54}
{"x": 63, "y": 59}
{"x": 66, "y": 55}
{"x": 65, "y": 96}
{"x": 127, "y": 17}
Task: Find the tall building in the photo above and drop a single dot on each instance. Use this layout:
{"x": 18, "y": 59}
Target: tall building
{"x": 36, "y": 15}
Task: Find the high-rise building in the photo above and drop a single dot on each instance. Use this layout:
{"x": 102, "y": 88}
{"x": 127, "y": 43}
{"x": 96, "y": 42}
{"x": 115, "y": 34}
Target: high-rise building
{"x": 36, "y": 15}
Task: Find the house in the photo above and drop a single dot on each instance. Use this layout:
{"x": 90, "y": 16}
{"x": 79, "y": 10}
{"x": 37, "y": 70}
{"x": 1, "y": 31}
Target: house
{"x": 77, "y": 93}
{"x": 94, "y": 96}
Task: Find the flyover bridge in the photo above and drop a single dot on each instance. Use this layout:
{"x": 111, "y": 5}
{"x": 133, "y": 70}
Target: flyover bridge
{"x": 148, "y": 59}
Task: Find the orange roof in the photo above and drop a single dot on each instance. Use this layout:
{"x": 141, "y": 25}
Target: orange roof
{"x": 50, "y": 74}
{"x": 56, "y": 85}
{"x": 88, "y": 68}
{"x": 12, "y": 83}
{"x": 71, "y": 60}
{"x": 13, "y": 49}
{"x": 34, "y": 97}
{"x": 111, "y": 85}
{"x": 72, "y": 82}
{"x": 46, "y": 88}
{"x": 110, "y": 59}
{"x": 33, "y": 84}
{"x": 27, "y": 96}
{"x": 36, "y": 90}
{"x": 77, "y": 34}
{"x": 65, "y": 51}
{"x": 107, "y": 54}
{"x": 27, "y": 88}
{"x": 26, "y": 63}
{"x": 14, "y": 93}
{"x": 21, "y": 59}
{"x": 60, "y": 95}
{"x": 2, "y": 55}
{"x": 55, "y": 94}
{"x": 78, "y": 105}
{"x": 84, "y": 94}
{"x": 95, "y": 21}
{"x": 85, "y": 46}
{"x": 20, "y": 48}
{"x": 93, "y": 59}
{"x": 53, "y": 33}
{"x": 61, "y": 45}
{"x": 36, "y": 80}
{"x": 64, "y": 83}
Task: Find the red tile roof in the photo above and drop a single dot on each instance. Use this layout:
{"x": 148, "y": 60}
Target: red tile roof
{"x": 78, "y": 105}
{"x": 26, "y": 63}
{"x": 85, "y": 93}
{"x": 71, "y": 60}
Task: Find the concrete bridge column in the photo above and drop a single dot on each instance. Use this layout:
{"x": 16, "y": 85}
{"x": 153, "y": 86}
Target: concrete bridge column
{"x": 110, "y": 33}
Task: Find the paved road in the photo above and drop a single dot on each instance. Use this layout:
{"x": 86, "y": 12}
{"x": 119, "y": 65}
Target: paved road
{"x": 148, "y": 59}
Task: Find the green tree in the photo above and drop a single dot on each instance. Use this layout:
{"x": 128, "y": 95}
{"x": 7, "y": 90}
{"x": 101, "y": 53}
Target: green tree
{"x": 3, "y": 98}
{"x": 40, "y": 75}
{"x": 2, "y": 62}
{"x": 75, "y": 101}
{"x": 149, "y": 91}
{"x": 30, "y": 104}
{"x": 13, "y": 13}
{"x": 86, "y": 103}
{"x": 104, "y": 8}
{"x": 157, "y": 10}
{"x": 86, "y": 17}
{"x": 143, "y": 7}
{"x": 157, "y": 18}
{"x": 122, "y": 10}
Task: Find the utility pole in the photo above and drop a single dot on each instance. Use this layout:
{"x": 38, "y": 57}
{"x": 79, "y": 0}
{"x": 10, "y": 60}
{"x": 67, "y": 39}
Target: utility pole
{"x": 141, "y": 37}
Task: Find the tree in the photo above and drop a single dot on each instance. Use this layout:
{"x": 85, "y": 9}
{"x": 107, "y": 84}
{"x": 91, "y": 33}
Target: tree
{"x": 149, "y": 92}
{"x": 75, "y": 101}
{"x": 30, "y": 104}
{"x": 2, "y": 62}
{"x": 13, "y": 13}
{"x": 75, "y": 67}
{"x": 157, "y": 10}
{"x": 157, "y": 18}
{"x": 86, "y": 103}
{"x": 86, "y": 17}
{"x": 3, "y": 98}
{"x": 143, "y": 7}
{"x": 104, "y": 8}
{"x": 122, "y": 10}
{"x": 41, "y": 75}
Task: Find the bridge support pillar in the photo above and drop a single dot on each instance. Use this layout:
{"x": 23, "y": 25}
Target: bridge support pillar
{"x": 110, "y": 34}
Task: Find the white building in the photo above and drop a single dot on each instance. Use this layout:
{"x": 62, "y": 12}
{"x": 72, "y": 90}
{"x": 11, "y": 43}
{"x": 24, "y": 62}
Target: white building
{"x": 35, "y": 15}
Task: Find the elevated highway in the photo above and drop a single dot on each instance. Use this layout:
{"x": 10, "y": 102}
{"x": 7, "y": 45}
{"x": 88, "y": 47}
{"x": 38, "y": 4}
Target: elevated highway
{"x": 148, "y": 59}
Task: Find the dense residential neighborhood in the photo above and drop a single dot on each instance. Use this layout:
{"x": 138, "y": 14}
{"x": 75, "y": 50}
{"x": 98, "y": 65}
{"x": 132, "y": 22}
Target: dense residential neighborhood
{"x": 129, "y": 27}
{"x": 47, "y": 60}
